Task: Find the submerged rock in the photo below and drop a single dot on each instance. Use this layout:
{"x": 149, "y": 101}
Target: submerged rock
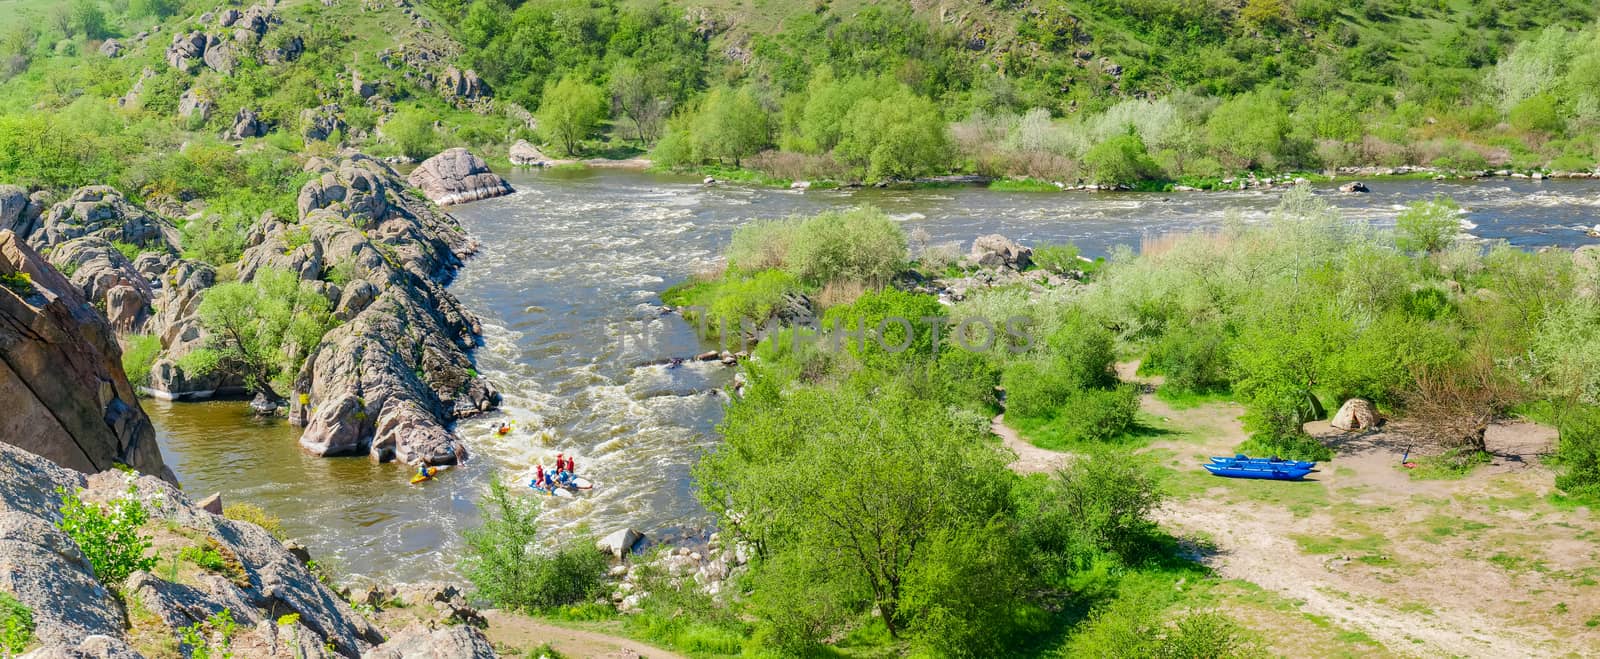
{"x": 455, "y": 176}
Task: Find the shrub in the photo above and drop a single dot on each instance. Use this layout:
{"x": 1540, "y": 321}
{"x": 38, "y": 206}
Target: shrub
{"x": 138, "y": 356}
{"x": 1578, "y": 452}
{"x": 1100, "y": 504}
{"x": 1537, "y": 114}
{"x": 19, "y": 282}
{"x": 249, "y": 512}
{"x": 507, "y": 568}
{"x": 412, "y": 132}
{"x": 761, "y": 245}
{"x": 861, "y": 245}
{"x": 108, "y": 535}
{"x": 570, "y": 110}
{"x": 1095, "y": 415}
{"x": 1121, "y": 160}
{"x": 16, "y": 625}
{"x": 1135, "y": 626}
{"x": 1194, "y": 359}
{"x": 1428, "y": 226}
{"x": 900, "y": 136}
{"x": 1060, "y": 259}
{"x": 1034, "y": 390}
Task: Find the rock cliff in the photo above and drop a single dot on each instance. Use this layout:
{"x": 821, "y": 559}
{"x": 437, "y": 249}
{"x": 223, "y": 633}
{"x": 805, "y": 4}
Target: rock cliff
{"x": 61, "y": 378}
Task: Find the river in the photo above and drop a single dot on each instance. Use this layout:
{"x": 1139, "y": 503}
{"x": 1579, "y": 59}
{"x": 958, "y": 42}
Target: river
{"x": 573, "y": 265}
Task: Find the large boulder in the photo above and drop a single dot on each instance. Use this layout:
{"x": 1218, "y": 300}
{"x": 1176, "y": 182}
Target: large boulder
{"x": 1356, "y": 414}
{"x": 246, "y": 124}
{"x": 14, "y": 210}
{"x": 77, "y": 615}
{"x": 462, "y": 84}
{"x": 456, "y": 177}
{"x": 525, "y": 154}
{"x": 997, "y": 251}
{"x": 187, "y": 51}
{"x": 61, "y": 378}
{"x": 420, "y": 642}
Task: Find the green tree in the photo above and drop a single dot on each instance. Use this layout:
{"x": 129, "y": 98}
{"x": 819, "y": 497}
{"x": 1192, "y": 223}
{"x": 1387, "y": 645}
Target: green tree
{"x": 1248, "y": 130}
{"x": 412, "y": 132}
{"x": 827, "y": 102}
{"x": 899, "y": 136}
{"x": 1121, "y": 160}
{"x": 570, "y": 110}
{"x": 1538, "y": 113}
{"x": 507, "y": 567}
{"x": 265, "y": 327}
{"x": 731, "y": 125}
{"x": 640, "y": 94}
{"x": 89, "y": 19}
{"x": 867, "y": 485}
{"x": 1429, "y": 227}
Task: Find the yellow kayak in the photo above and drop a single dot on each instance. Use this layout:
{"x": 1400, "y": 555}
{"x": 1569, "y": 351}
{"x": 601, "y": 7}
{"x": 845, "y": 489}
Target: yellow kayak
{"x": 427, "y": 475}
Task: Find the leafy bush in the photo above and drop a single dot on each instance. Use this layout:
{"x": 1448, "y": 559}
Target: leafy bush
{"x": 570, "y": 110}
{"x": 16, "y": 625}
{"x": 108, "y": 535}
{"x": 858, "y": 245}
{"x": 1428, "y": 226}
{"x": 1095, "y": 415}
{"x": 1121, "y": 160}
{"x": 411, "y": 130}
{"x": 506, "y": 566}
{"x": 138, "y": 355}
{"x": 1194, "y": 359}
{"x": 1578, "y": 452}
{"x": 1135, "y": 626}
{"x": 1060, "y": 259}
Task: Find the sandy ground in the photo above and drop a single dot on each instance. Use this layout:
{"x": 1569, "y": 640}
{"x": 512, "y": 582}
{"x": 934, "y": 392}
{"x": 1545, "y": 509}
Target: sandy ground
{"x": 523, "y": 633}
{"x": 1030, "y": 459}
{"x": 1482, "y": 566}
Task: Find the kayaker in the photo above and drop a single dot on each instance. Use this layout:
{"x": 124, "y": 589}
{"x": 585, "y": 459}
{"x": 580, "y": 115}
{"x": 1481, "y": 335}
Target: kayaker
{"x": 426, "y": 472}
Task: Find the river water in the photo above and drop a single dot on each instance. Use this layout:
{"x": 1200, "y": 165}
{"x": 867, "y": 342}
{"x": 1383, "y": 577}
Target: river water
{"x": 566, "y": 285}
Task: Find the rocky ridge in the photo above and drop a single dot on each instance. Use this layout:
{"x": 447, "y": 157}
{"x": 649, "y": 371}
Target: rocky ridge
{"x": 390, "y": 379}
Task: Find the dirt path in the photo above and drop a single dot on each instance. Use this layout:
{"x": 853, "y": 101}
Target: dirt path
{"x": 524, "y": 633}
{"x": 1431, "y": 600}
{"x": 1030, "y": 459}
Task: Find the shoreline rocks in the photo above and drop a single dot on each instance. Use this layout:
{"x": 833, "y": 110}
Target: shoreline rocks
{"x": 455, "y": 176}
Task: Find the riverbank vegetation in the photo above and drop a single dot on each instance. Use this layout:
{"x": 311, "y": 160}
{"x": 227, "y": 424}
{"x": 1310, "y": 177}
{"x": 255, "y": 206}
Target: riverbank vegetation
{"x": 880, "y": 511}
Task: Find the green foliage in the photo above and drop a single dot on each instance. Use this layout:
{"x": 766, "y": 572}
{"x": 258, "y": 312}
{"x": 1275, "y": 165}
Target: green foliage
{"x": 16, "y": 625}
{"x": 1121, "y": 160}
{"x": 1428, "y": 226}
{"x": 20, "y": 283}
{"x": 1248, "y": 130}
{"x": 265, "y": 327}
{"x": 138, "y": 355}
{"x": 899, "y": 136}
{"x": 1060, "y": 259}
{"x": 730, "y": 125}
{"x": 506, "y": 566}
{"x": 212, "y": 639}
{"x": 108, "y": 535}
{"x": 1132, "y": 626}
{"x": 1100, "y": 504}
{"x": 1578, "y": 452}
{"x": 205, "y": 556}
{"x": 861, "y": 245}
{"x": 249, "y": 512}
{"x": 874, "y": 481}
{"x": 1537, "y": 113}
{"x": 411, "y": 130}
{"x": 735, "y": 301}
{"x": 569, "y": 111}
{"x": 1194, "y": 359}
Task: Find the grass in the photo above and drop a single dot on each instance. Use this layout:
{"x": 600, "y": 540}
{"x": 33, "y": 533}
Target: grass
{"x": 1022, "y": 185}
{"x": 1188, "y": 400}
{"x": 1453, "y": 464}
{"x": 1047, "y": 435}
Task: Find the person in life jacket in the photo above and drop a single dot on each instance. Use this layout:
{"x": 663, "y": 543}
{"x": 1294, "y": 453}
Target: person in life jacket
{"x": 539, "y": 479}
